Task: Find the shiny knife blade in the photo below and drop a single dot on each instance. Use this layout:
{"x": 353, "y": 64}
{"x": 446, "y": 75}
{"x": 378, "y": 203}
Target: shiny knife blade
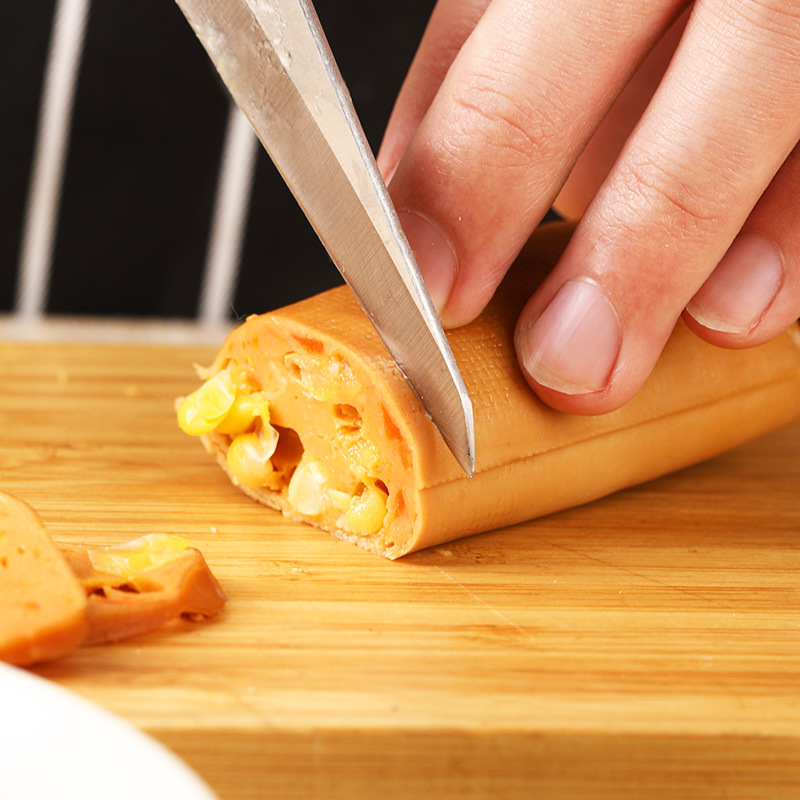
{"x": 276, "y": 62}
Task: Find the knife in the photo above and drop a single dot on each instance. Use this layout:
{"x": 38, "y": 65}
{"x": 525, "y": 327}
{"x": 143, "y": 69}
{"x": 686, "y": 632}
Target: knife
{"x": 276, "y": 62}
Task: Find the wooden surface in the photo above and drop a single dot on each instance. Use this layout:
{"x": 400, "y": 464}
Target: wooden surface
{"x": 644, "y": 646}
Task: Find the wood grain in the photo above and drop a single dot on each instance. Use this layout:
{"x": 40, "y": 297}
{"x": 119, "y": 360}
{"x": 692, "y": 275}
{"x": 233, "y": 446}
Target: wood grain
{"x": 645, "y": 645}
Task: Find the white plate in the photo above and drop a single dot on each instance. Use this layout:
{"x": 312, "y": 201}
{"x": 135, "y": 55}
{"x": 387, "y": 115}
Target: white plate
{"x": 55, "y": 744}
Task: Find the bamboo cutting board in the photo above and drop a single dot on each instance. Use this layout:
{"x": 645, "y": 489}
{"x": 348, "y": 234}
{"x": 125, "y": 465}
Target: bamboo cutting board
{"x": 644, "y": 646}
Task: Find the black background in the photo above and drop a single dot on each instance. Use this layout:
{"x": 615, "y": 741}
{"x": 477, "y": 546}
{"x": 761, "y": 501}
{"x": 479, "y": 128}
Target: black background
{"x": 143, "y": 160}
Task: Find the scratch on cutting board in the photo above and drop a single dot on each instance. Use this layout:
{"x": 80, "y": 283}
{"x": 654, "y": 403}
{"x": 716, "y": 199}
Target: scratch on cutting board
{"x": 480, "y": 600}
{"x": 646, "y": 578}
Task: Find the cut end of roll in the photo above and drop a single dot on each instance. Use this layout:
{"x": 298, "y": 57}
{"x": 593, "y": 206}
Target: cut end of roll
{"x": 296, "y": 425}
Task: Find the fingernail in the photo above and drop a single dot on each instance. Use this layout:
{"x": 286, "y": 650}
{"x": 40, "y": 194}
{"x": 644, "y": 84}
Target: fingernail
{"x": 434, "y": 254}
{"x": 386, "y": 168}
{"x": 739, "y": 291}
{"x": 573, "y": 346}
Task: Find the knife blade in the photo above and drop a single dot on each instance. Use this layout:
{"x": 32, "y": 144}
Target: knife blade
{"x": 276, "y": 62}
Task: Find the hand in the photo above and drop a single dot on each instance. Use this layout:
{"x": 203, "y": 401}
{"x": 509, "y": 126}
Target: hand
{"x": 672, "y": 133}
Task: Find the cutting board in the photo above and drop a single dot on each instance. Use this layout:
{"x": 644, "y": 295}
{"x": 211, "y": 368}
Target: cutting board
{"x": 644, "y": 646}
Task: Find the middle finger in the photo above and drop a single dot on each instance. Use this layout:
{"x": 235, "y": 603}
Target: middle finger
{"x": 520, "y": 101}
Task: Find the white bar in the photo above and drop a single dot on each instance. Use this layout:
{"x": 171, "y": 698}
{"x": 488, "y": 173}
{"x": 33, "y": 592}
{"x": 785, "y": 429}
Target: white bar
{"x": 112, "y": 330}
{"x": 41, "y": 215}
{"x": 229, "y": 220}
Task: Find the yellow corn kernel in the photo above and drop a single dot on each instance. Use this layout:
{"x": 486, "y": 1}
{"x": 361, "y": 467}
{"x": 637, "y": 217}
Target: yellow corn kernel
{"x": 339, "y": 500}
{"x": 240, "y": 374}
{"x": 249, "y": 456}
{"x": 367, "y": 511}
{"x": 321, "y": 377}
{"x": 241, "y": 415}
{"x": 313, "y": 373}
{"x": 363, "y": 457}
{"x": 307, "y": 491}
{"x": 144, "y": 553}
{"x": 206, "y": 407}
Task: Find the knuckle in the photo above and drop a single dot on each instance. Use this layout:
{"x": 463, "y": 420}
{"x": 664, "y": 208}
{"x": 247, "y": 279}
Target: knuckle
{"x": 773, "y": 16}
{"x": 513, "y": 130}
{"x": 767, "y": 35}
{"x": 678, "y": 201}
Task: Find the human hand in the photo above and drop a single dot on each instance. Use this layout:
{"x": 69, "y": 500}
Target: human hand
{"x": 684, "y": 169}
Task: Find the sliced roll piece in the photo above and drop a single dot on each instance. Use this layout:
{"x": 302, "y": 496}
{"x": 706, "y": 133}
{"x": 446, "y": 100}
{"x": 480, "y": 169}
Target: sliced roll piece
{"x": 42, "y": 603}
{"x": 143, "y": 585}
{"x": 307, "y": 413}
{"x": 54, "y": 599}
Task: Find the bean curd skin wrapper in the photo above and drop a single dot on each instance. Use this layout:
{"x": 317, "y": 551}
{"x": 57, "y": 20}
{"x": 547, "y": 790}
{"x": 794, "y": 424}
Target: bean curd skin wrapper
{"x": 322, "y": 425}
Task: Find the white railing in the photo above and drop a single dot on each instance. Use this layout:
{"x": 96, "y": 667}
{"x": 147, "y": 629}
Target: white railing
{"x": 226, "y": 227}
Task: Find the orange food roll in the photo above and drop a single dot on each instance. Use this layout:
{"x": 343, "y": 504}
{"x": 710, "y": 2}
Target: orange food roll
{"x": 42, "y": 603}
{"x": 307, "y": 413}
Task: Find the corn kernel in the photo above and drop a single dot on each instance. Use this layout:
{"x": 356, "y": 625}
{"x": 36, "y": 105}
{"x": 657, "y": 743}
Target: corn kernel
{"x": 241, "y": 415}
{"x": 363, "y": 457}
{"x": 321, "y": 377}
{"x": 339, "y": 500}
{"x": 206, "y": 407}
{"x": 240, "y": 375}
{"x": 307, "y": 491}
{"x": 249, "y": 456}
{"x": 144, "y": 553}
{"x": 313, "y": 373}
{"x": 367, "y": 511}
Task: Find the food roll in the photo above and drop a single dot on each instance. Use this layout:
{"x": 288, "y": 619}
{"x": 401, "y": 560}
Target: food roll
{"x": 307, "y": 413}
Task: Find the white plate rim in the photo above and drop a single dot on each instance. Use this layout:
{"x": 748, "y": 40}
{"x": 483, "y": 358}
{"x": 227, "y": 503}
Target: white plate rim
{"x": 55, "y": 743}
